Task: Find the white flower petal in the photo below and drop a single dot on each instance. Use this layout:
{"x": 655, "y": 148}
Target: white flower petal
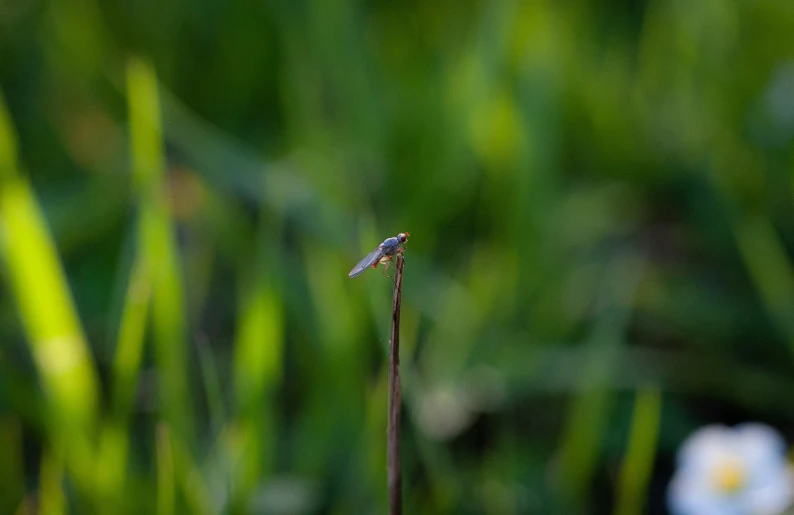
{"x": 688, "y": 497}
{"x": 773, "y": 497}
{"x": 760, "y": 446}
{"x": 704, "y": 444}
{"x": 732, "y": 471}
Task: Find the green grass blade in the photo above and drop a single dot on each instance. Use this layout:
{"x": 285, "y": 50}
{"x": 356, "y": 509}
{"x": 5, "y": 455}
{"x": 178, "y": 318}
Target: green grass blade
{"x": 165, "y": 471}
{"x": 638, "y": 464}
{"x": 769, "y": 268}
{"x": 158, "y": 245}
{"x": 12, "y": 474}
{"x": 132, "y": 332}
{"x": 45, "y": 306}
{"x": 114, "y": 438}
{"x": 51, "y": 496}
{"x": 210, "y": 378}
{"x": 257, "y": 372}
{"x": 591, "y": 409}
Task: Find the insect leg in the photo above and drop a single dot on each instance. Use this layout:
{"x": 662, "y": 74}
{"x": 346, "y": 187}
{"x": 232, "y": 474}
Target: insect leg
{"x": 387, "y": 263}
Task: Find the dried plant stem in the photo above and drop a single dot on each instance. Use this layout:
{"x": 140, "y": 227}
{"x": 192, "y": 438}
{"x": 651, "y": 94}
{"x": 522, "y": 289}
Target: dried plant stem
{"x": 395, "y": 397}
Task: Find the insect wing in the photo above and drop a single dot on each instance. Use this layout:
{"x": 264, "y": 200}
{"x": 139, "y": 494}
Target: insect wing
{"x": 369, "y": 260}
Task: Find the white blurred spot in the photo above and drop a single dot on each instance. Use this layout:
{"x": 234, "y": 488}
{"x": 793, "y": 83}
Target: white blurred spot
{"x": 444, "y": 413}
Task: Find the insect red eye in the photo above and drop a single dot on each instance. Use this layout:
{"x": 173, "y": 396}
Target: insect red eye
{"x": 402, "y": 238}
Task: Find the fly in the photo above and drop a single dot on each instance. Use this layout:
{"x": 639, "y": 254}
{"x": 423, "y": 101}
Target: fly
{"x": 384, "y": 253}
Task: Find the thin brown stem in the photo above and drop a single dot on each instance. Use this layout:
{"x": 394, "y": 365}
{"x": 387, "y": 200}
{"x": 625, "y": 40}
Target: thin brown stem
{"x": 395, "y": 397}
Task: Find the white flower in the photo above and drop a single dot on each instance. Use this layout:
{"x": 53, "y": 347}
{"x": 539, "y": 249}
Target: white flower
{"x": 732, "y": 471}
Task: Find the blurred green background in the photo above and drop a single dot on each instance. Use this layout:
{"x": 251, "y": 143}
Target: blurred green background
{"x": 600, "y": 199}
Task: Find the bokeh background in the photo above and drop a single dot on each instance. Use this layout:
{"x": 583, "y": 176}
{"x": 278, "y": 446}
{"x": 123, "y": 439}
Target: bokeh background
{"x": 600, "y": 196}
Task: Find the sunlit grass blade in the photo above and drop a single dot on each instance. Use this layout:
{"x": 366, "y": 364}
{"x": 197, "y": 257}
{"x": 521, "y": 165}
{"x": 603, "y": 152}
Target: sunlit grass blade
{"x": 638, "y": 464}
{"x": 45, "y": 306}
{"x": 110, "y": 468}
{"x": 132, "y": 330}
{"x": 257, "y": 372}
{"x": 165, "y": 471}
{"x": 157, "y": 243}
{"x": 51, "y": 495}
{"x": 114, "y": 438}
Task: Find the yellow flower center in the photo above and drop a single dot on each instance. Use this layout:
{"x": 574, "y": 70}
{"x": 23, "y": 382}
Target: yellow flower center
{"x": 729, "y": 476}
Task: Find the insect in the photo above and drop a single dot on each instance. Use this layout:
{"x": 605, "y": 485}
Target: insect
{"x": 384, "y": 253}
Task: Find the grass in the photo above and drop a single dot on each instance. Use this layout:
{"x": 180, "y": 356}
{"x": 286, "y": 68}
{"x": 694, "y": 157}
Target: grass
{"x": 227, "y": 175}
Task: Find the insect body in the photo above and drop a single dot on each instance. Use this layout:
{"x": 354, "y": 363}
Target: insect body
{"x": 384, "y": 253}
